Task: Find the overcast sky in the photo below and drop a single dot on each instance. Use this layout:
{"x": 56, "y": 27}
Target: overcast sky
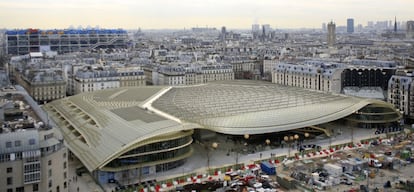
{"x": 178, "y": 14}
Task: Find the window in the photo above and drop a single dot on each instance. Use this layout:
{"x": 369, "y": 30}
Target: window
{"x": 9, "y": 180}
{"x": 9, "y": 190}
{"x": 50, "y": 173}
{"x": 50, "y": 183}
{"x": 64, "y": 175}
{"x": 32, "y": 141}
{"x": 9, "y": 169}
{"x": 49, "y": 162}
{"x": 64, "y": 165}
{"x": 65, "y": 185}
{"x": 20, "y": 189}
{"x": 35, "y": 187}
{"x": 64, "y": 155}
{"x": 8, "y": 144}
{"x": 17, "y": 143}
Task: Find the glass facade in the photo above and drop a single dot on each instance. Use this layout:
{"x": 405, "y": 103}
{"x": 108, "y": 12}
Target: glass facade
{"x": 375, "y": 116}
{"x": 156, "y": 156}
{"x": 21, "y": 42}
{"x": 147, "y": 160}
{"x": 160, "y": 146}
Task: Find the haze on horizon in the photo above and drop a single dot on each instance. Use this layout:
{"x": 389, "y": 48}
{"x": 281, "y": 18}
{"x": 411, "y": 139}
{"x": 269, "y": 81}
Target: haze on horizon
{"x": 178, "y": 14}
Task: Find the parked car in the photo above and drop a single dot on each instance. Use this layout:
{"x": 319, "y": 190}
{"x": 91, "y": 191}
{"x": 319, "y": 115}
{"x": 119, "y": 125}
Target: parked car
{"x": 346, "y": 181}
{"x": 349, "y": 176}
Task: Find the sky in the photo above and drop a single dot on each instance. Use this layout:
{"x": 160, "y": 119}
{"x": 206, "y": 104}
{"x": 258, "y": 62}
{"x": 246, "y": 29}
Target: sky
{"x": 179, "y": 14}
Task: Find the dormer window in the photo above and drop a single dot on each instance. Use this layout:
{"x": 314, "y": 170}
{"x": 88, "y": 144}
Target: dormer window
{"x": 32, "y": 141}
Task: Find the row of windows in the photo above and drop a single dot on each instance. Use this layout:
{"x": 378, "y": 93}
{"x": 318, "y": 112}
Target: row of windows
{"x": 31, "y": 167}
{"x": 130, "y": 84}
{"x": 48, "y": 94}
{"x": 20, "y": 189}
{"x": 35, "y": 177}
{"x": 149, "y": 158}
{"x": 305, "y": 83}
{"x": 32, "y": 177}
{"x": 160, "y": 145}
{"x": 10, "y": 156}
{"x": 62, "y": 40}
{"x": 18, "y": 143}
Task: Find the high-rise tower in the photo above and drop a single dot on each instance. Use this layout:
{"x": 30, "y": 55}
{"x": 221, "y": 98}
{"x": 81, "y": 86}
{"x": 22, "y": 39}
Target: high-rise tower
{"x": 223, "y": 33}
{"x": 395, "y": 25}
{"x": 331, "y": 34}
{"x": 410, "y": 29}
{"x": 350, "y": 25}
{"x": 323, "y": 27}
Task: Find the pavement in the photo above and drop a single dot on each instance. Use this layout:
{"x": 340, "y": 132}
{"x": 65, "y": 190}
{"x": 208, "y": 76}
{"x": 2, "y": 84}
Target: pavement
{"x": 80, "y": 183}
{"x": 202, "y": 160}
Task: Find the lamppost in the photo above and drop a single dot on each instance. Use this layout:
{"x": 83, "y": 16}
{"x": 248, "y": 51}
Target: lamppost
{"x": 352, "y": 125}
{"x": 290, "y": 140}
{"x": 209, "y": 149}
{"x": 330, "y": 138}
{"x": 267, "y": 141}
{"x": 305, "y": 135}
{"x": 302, "y": 149}
{"x": 246, "y": 136}
{"x": 238, "y": 149}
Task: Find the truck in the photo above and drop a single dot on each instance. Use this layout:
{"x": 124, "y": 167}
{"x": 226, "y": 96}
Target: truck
{"x": 268, "y": 168}
{"x": 333, "y": 170}
{"x": 374, "y": 162}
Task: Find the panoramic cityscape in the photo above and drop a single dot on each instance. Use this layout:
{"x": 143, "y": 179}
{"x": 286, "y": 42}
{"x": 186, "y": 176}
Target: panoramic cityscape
{"x": 206, "y": 95}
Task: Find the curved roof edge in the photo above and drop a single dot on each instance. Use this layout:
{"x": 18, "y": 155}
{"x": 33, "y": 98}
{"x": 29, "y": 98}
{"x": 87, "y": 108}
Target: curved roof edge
{"x": 275, "y": 127}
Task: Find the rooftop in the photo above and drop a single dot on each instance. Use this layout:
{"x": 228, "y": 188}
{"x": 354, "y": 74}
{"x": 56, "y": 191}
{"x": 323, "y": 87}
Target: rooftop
{"x": 102, "y": 125}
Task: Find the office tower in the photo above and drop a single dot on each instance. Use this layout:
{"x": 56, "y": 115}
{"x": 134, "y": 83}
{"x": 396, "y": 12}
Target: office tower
{"x": 266, "y": 31}
{"x": 331, "y": 34}
{"x": 370, "y": 24}
{"x": 255, "y": 27}
{"x": 350, "y": 25}
{"x": 359, "y": 28}
{"x": 323, "y": 26}
{"x": 395, "y": 25}
{"x": 255, "y": 30}
{"x": 410, "y": 29}
{"x": 223, "y": 33}
{"x": 20, "y": 42}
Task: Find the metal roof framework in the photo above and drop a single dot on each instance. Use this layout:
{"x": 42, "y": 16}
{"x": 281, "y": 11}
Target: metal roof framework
{"x": 97, "y": 135}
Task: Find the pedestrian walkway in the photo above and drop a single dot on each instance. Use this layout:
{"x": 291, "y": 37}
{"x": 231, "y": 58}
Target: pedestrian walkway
{"x": 199, "y": 163}
{"x": 81, "y": 183}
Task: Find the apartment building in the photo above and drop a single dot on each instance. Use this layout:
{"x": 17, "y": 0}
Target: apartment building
{"x": 217, "y": 73}
{"x": 89, "y": 79}
{"x": 179, "y": 75}
{"x": 401, "y": 93}
{"x": 244, "y": 68}
{"x": 168, "y": 75}
{"x": 317, "y": 76}
{"x": 43, "y": 85}
{"x": 333, "y": 77}
{"x": 32, "y": 156}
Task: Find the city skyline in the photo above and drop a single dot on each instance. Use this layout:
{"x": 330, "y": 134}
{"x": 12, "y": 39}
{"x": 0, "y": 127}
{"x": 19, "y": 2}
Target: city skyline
{"x": 174, "y": 14}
